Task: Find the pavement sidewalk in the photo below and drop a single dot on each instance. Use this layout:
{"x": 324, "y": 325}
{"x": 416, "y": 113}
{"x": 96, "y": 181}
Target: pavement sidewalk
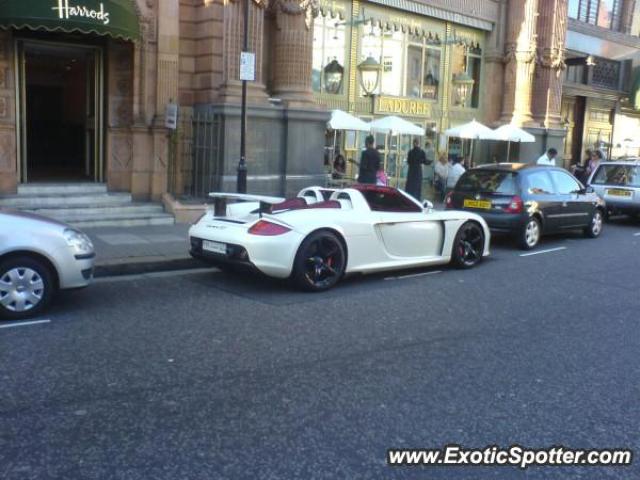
{"x": 132, "y": 250}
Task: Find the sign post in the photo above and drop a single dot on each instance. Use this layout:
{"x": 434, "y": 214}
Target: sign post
{"x": 247, "y": 73}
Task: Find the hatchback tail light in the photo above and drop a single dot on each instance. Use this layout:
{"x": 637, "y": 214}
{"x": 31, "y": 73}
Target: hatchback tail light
{"x": 448, "y": 200}
{"x": 515, "y": 205}
{"x": 268, "y": 229}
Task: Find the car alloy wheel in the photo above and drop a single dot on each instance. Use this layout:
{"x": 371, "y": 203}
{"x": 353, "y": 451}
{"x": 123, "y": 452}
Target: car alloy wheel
{"x": 595, "y": 227}
{"x": 320, "y": 262}
{"x": 25, "y": 288}
{"x": 530, "y": 234}
{"x": 468, "y": 245}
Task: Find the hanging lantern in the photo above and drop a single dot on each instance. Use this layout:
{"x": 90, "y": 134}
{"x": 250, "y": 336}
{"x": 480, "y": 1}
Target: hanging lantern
{"x": 333, "y": 74}
{"x": 369, "y": 75}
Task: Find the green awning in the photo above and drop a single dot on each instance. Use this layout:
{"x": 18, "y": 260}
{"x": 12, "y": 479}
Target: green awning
{"x": 634, "y": 91}
{"x": 116, "y": 18}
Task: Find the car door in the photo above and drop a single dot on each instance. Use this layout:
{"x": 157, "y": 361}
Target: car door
{"x": 540, "y": 195}
{"x": 575, "y": 210}
{"x": 411, "y": 235}
{"x": 405, "y": 229}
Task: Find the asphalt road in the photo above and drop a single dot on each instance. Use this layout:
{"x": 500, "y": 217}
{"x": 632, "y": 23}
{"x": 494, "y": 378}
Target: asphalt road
{"x": 211, "y": 376}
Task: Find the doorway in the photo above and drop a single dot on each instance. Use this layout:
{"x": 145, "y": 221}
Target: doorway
{"x": 61, "y": 105}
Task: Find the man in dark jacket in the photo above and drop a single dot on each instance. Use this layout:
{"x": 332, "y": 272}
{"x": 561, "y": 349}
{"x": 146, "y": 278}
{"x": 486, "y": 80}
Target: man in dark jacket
{"x": 415, "y": 159}
{"x": 369, "y": 163}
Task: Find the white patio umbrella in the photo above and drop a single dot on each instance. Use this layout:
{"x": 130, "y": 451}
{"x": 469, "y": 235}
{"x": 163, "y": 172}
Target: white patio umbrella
{"x": 343, "y": 121}
{"x": 473, "y": 130}
{"x": 511, "y": 133}
{"x": 396, "y": 126}
{"x": 393, "y": 125}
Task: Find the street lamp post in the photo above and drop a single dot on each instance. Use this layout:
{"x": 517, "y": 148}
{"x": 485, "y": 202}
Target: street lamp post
{"x": 241, "y": 186}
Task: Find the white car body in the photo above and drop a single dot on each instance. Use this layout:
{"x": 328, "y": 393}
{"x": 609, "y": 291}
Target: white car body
{"x": 374, "y": 240}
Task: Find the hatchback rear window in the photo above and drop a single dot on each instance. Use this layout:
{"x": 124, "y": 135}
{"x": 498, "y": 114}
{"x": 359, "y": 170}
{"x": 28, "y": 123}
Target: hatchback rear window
{"x": 488, "y": 181}
{"x": 621, "y": 175}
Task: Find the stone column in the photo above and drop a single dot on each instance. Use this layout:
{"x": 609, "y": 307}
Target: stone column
{"x": 520, "y": 57}
{"x": 293, "y": 51}
{"x": 493, "y": 94}
{"x": 8, "y": 160}
{"x": 626, "y": 15}
{"x": 231, "y": 89}
{"x": 547, "y": 90}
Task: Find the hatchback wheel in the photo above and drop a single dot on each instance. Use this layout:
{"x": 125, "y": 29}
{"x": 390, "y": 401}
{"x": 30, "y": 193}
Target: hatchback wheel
{"x": 530, "y": 234}
{"x": 26, "y": 288}
{"x": 320, "y": 262}
{"x": 594, "y": 229}
{"x": 468, "y": 245}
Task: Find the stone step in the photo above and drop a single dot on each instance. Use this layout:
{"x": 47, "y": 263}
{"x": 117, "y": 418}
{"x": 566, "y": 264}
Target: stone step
{"x": 125, "y": 220}
{"x": 28, "y": 202}
{"x": 61, "y": 188}
{"x": 98, "y": 210}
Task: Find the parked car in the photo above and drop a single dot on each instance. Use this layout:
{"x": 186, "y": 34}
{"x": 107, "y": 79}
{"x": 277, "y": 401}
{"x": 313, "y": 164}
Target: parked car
{"x": 618, "y": 183}
{"x": 528, "y": 201}
{"x": 38, "y": 256}
{"x": 314, "y": 241}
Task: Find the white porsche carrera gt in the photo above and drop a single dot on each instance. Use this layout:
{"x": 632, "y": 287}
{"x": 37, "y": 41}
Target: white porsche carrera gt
{"x": 323, "y": 234}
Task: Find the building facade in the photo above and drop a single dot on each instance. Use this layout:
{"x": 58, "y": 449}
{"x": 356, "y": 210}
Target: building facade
{"x": 85, "y": 84}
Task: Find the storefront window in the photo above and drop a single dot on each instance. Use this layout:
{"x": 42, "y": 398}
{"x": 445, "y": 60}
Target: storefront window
{"x": 410, "y": 65}
{"x": 329, "y": 43}
{"x": 603, "y": 13}
{"x": 468, "y": 59}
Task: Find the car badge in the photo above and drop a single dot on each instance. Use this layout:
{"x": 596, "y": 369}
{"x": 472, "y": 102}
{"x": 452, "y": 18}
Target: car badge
{"x": 219, "y": 227}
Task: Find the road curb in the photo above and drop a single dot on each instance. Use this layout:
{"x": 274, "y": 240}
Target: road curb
{"x": 140, "y": 266}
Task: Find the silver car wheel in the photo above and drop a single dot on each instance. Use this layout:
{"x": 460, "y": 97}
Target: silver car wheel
{"x": 532, "y": 233}
{"x": 21, "y": 289}
{"x": 596, "y": 223}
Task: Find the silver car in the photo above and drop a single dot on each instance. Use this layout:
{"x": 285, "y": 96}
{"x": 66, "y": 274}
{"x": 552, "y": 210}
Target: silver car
{"x": 618, "y": 184}
{"x": 38, "y": 256}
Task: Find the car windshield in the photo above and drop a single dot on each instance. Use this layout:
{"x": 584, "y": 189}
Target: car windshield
{"x": 621, "y": 175}
{"x": 488, "y": 181}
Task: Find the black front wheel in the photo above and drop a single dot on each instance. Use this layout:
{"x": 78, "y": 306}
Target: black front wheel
{"x": 320, "y": 262}
{"x": 468, "y": 246}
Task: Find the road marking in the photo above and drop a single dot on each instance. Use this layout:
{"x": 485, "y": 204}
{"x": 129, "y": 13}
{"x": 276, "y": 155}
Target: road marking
{"x": 25, "y": 324}
{"x": 141, "y": 276}
{"x": 414, "y": 275}
{"x": 543, "y": 251}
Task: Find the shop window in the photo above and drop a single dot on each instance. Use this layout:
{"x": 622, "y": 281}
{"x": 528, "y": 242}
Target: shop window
{"x": 410, "y": 63}
{"x": 473, "y": 70}
{"x": 606, "y": 73}
{"x": 603, "y": 13}
{"x": 329, "y": 44}
{"x": 575, "y": 74}
{"x": 467, "y": 58}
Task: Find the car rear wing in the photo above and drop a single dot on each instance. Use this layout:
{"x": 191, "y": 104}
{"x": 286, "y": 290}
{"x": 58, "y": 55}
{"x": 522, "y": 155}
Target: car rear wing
{"x": 221, "y": 199}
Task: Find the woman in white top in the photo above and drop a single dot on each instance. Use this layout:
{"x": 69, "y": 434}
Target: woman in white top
{"x": 455, "y": 172}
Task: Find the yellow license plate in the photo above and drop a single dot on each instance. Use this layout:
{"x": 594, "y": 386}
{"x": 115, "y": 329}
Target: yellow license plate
{"x": 477, "y": 204}
{"x": 616, "y": 192}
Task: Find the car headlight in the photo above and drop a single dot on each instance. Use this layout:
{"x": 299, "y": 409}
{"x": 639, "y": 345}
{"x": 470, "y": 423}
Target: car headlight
{"x": 78, "y": 241}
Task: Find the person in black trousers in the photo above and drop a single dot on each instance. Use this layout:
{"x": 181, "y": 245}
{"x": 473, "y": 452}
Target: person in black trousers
{"x": 415, "y": 159}
{"x": 369, "y": 163}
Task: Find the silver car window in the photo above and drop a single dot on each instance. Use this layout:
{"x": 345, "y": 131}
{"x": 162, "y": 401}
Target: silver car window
{"x": 620, "y": 175}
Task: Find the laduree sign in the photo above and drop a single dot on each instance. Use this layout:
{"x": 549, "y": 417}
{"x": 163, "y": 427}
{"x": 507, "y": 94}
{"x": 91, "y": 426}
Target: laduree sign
{"x": 402, "y": 106}
{"x": 68, "y": 11}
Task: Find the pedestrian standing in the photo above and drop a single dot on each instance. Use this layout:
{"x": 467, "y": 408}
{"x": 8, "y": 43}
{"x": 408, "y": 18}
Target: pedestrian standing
{"x": 455, "y": 172}
{"x": 548, "y": 158}
{"x": 441, "y": 173}
{"x": 369, "y": 162}
{"x": 415, "y": 159}
{"x": 592, "y": 164}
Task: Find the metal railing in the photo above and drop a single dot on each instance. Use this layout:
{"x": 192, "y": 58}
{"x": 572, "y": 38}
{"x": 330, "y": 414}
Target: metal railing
{"x": 195, "y": 155}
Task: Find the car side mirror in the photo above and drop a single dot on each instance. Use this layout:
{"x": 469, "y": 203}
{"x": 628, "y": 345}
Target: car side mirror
{"x": 589, "y": 189}
{"x": 427, "y": 205}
